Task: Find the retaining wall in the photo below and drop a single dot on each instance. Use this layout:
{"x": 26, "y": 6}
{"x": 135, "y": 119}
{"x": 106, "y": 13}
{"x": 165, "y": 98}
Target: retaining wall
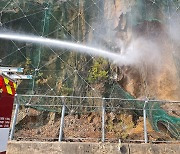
{"x": 20, "y": 147}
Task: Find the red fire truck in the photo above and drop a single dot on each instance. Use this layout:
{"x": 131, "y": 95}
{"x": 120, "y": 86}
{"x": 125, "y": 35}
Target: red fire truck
{"x": 8, "y": 76}
{"x": 7, "y": 93}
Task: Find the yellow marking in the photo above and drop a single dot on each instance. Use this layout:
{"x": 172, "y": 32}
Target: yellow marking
{"x": 8, "y": 87}
{"x": 15, "y": 85}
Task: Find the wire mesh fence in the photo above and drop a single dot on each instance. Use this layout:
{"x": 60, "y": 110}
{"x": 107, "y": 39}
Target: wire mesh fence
{"x": 94, "y": 119}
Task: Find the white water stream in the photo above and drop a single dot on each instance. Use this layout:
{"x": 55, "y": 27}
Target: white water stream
{"x": 112, "y": 57}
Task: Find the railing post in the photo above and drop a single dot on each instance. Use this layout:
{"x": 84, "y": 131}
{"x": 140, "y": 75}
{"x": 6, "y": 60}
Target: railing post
{"x": 62, "y": 120}
{"x": 145, "y": 124}
{"x": 14, "y": 118}
{"x": 103, "y": 120}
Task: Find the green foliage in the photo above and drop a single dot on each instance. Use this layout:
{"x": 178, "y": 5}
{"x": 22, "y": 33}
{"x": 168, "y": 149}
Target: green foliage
{"x": 66, "y": 90}
{"x": 27, "y": 66}
{"x": 98, "y": 71}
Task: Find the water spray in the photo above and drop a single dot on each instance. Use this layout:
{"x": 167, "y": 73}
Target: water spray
{"x": 111, "y": 56}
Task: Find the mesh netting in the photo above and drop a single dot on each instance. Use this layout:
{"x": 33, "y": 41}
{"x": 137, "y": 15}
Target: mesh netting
{"x": 63, "y": 72}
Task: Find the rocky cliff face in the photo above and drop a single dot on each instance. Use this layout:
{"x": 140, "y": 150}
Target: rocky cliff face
{"x": 157, "y": 78}
{"x": 113, "y": 25}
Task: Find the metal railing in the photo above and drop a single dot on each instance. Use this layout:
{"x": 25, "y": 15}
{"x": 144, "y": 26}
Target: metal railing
{"x": 104, "y": 107}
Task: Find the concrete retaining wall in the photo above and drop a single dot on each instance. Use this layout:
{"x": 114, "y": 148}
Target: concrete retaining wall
{"x": 90, "y": 148}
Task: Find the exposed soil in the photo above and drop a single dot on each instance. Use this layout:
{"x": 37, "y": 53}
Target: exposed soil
{"x": 85, "y": 127}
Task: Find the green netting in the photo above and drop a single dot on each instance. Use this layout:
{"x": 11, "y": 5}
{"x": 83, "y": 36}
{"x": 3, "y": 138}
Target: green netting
{"x": 156, "y": 115}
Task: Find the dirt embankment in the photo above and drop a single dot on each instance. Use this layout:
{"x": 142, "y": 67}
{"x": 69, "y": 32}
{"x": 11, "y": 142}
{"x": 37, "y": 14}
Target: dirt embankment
{"x": 84, "y": 127}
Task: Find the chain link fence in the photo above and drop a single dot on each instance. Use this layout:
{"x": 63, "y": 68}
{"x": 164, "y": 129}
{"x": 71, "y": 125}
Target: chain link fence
{"x": 94, "y": 119}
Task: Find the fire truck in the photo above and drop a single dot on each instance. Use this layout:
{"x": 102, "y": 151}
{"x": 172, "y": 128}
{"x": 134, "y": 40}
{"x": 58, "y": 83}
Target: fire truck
{"x": 7, "y": 93}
